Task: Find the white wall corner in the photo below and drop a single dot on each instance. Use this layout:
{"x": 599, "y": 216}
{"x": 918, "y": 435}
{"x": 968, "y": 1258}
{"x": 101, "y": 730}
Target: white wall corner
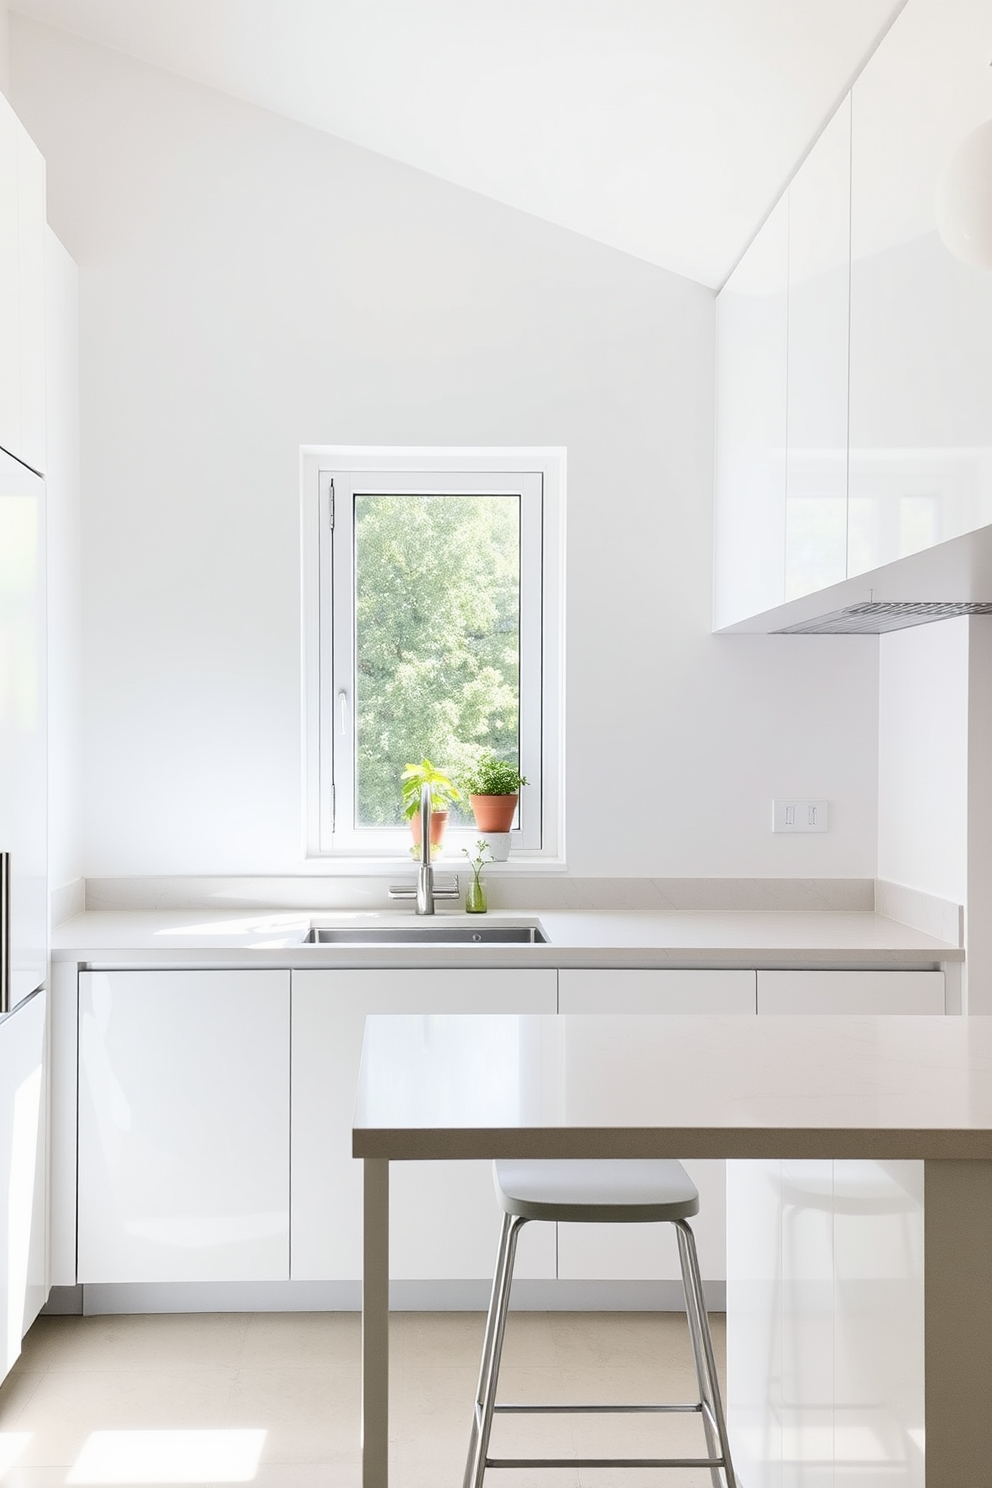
{"x": 67, "y": 901}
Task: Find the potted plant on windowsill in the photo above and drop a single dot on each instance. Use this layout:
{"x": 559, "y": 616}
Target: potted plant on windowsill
{"x": 493, "y": 788}
{"x": 443, "y": 790}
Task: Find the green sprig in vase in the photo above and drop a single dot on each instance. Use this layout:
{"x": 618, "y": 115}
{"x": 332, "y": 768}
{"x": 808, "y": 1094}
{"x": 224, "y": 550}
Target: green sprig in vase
{"x": 475, "y": 894}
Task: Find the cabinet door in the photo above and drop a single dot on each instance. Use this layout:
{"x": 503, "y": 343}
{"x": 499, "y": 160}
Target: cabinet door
{"x": 921, "y": 321}
{"x": 444, "y": 1220}
{"x": 640, "y": 1252}
{"x": 183, "y": 1126}
{"x": 850, "y": 991}
{"x": 23, "y": 1144}
{"x": 752, "y": 361}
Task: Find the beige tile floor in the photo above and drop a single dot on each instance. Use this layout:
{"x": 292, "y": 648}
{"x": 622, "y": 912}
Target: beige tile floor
{"x": 140, "y": 1381}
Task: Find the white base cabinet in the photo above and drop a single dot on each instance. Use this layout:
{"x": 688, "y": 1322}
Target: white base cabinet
{"x": 215, "y": 1111}
{"x": 183, "y": 1126}
{"x": 444, "y": 1217}
{"x": 650, "y": 1252}
{"x": 23, "y": 1144}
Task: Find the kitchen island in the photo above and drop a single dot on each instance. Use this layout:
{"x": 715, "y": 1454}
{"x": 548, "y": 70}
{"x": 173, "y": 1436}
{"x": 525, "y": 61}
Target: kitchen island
{"x": 861, "y": 1088}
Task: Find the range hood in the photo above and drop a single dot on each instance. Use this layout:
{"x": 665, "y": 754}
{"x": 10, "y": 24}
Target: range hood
{"x": 874, "y": 618}
{"x": 950, "y": 579}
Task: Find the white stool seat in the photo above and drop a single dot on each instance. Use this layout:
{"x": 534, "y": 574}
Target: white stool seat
{"x": 597, "y": 1190}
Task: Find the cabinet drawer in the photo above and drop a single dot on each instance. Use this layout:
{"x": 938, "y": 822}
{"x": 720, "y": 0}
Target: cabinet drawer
{"x": 850, "y": 991}
{"x": 662, "y": 990}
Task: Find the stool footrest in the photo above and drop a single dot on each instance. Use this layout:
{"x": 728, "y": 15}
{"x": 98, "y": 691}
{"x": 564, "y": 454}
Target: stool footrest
{"x": 596, "y": 1410}
{"x": 605, "y": 1462}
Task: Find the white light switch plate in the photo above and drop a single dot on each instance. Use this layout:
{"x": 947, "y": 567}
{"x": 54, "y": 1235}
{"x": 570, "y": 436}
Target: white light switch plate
{"x": 800, "y": 816}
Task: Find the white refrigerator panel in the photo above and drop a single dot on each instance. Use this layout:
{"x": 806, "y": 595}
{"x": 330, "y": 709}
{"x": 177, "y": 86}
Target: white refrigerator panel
{"x": 23, "y": 749}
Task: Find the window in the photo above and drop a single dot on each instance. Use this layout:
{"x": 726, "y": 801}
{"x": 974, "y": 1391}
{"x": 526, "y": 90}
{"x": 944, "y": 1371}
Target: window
{"x": 432, "y": 595}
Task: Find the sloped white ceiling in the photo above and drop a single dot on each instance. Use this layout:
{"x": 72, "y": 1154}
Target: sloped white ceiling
{"x": 664, "y": 128}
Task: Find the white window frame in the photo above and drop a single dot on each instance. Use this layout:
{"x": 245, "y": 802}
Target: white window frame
{"x": 538, "y": 477}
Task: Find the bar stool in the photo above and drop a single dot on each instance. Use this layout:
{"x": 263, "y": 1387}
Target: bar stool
{"x": 611, "y": 1191}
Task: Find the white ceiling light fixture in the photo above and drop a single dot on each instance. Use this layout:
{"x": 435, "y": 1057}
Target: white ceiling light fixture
{"x": 964, "y": 200}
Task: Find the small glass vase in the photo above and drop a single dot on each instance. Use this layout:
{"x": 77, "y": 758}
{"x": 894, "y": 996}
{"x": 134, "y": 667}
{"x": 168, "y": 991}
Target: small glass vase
{"x": 475, "y": 898}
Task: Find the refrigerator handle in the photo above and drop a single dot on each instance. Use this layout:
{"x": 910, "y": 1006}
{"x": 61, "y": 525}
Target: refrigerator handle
{"x": 4, "y": 933}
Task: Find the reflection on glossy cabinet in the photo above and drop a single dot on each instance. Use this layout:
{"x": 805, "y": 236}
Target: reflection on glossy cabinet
{"x": 444, "y": 1219}
{"x": 22, "y": 291}
{"x": 183, "y": 1126}
{"x": 642, "y": 1252}
{"x": 825, "y": 1323}
{"x": 921, "y": 321}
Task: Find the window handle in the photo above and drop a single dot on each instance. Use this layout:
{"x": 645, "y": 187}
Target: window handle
{"x": 342, "y": 712}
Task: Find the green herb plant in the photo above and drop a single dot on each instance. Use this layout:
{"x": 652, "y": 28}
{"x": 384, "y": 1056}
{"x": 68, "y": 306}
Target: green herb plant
{"x": 414, "y": 777}
{"x": 492, "y": 776}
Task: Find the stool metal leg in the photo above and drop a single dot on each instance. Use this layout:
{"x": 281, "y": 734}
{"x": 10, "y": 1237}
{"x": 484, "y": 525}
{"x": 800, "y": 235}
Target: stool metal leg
{"x": 697, "y": 1322}
{"x": 492, "y": 1350}
{"x": 714, "y": 1423}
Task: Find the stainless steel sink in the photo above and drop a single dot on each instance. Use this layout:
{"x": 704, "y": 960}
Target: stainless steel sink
{"x": 420, "y": 934}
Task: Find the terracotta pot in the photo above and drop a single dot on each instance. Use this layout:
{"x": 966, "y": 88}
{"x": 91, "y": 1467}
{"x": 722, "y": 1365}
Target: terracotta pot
{"x": 439, "y": 821}
{"x": 494, "y": 813}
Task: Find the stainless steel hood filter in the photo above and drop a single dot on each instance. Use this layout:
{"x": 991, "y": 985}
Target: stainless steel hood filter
{"x": 882, "y": 615}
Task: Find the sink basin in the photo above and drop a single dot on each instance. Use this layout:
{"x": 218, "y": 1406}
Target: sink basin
{"x": 420, "y": 934}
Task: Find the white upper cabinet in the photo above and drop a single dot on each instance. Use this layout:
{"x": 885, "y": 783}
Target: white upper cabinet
{"x": 22, "y": 293}
{"x": 752, "y": 368}
{"x": 854, "y": 394}
{"x": 816, "y": 446}
{"x": 921, "y": 321}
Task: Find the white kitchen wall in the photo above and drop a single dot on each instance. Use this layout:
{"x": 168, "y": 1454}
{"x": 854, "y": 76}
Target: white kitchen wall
{"x": 978, "y": 920}
{"x": 923, "y": 758}
{"x": 248, "y": 285}
{"x": 935, "y": 784}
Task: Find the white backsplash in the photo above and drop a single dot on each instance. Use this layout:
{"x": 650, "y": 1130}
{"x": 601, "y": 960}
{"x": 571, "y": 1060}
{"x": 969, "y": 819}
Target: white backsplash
{"x": 508, "y": 888}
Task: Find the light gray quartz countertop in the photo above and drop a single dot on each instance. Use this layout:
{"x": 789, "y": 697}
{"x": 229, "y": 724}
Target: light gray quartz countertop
{"x": 631, "y": 938}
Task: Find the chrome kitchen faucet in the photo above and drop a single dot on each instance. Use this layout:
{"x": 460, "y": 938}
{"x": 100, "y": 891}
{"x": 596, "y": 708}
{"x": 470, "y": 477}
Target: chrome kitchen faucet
{"x": 425, "y": 891}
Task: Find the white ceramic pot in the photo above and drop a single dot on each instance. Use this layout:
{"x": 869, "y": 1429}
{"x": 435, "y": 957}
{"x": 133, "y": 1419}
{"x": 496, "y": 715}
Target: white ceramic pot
{"x": 499, "y": 845}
